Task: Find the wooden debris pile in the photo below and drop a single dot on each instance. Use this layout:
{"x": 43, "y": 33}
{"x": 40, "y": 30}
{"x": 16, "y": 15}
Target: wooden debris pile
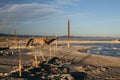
{"x": 53, "y": 69}
{"x": 5, "y": 51}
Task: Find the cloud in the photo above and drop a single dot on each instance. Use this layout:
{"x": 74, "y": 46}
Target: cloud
{"x": 63, "y": 3}
{"x": 32, "y": 11}
{"x": 25, "y": 12}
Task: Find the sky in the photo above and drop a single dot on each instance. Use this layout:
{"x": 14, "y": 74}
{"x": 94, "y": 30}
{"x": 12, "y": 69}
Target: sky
{"x": 95, "y": 18}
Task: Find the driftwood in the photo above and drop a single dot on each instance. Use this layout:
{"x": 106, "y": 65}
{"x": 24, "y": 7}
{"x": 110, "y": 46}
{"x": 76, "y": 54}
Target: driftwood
{"x": 5, "y": 51}
{"x": 41, "y": 41}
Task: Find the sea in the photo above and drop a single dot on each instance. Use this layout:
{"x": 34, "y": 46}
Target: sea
{"x": 107, "y": 49}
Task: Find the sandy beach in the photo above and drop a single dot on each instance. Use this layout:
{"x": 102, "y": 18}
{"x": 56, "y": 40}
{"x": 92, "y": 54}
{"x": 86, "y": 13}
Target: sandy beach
{"x": 59, "y": 40}
{"x": 82, "y": 66}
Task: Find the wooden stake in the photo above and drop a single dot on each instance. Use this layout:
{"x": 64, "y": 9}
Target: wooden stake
{"x": 50, "y": 52}
{"x": 42, "y": 55}
{"x": 15, "y": 36}
{"x": 68, "y": 33}
{"x": 54, "y": 49}
{"x": 20, "y": 69}
{"x": 9, "y": 37}
{"x": 56, "y": 43}
{"x": 36, "y": 61}
{"x": 20, "y": 65}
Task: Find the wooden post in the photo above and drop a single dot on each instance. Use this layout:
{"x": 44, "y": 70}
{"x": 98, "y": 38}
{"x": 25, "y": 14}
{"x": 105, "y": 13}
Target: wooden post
{"x": 54, "y": 49}
{"x": 15, "y": 36}
{"x": 42, "y": 55}
{"x": 68, "y": 33}
{"x": 20, "y": 63}
{"x": 9, "y": 37}
{"x": 56, "y": 42}
{"x": 20, "y": 69}
{"x": 50, "y": 51}
{"x": 36, "y": 61}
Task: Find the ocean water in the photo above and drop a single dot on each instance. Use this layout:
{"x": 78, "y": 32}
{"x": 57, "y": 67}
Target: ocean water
{"x": 107, "y": 49}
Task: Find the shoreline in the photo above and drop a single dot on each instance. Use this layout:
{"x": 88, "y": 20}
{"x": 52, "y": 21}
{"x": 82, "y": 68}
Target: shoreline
{"x": 94, "y": 66}
{"x": 85, "y": 42}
